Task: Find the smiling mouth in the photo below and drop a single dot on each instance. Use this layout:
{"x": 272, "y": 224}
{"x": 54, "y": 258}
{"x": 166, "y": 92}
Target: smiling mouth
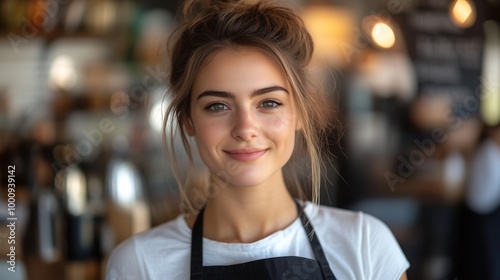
{"x": 246, "y": 155}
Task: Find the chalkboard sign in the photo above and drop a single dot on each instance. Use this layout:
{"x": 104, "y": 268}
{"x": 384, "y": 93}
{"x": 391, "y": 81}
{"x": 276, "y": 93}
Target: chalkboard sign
{"x": 447, "y": 57}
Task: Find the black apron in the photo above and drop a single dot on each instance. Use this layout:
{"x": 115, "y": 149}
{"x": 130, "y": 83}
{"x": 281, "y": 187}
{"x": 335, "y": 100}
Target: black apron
{"x": 285, "y": 268}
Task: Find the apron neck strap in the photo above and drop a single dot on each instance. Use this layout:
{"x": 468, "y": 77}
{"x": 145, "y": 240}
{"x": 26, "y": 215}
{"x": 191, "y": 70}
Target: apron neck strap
{"x": 197, "y": 246}
{"x": 315, "y": 245}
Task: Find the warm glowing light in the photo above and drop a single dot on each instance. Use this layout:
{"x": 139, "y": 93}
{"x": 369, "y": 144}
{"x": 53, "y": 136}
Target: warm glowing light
{"x": 383, "y": 35}
{"x": 463, "y": 13}
{"x": 332, "y": 32}
{"x": 63, "y": 73}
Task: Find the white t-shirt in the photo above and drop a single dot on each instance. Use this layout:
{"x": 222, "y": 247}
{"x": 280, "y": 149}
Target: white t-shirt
{"x": 357, "y": 246}
{"x": 483, "y": 193}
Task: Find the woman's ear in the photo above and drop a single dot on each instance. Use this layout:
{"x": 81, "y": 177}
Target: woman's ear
{"x": 188, "y": 126}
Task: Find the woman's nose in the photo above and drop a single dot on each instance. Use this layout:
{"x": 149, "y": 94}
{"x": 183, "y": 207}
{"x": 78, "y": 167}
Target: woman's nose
{"x": 245, "y": 126}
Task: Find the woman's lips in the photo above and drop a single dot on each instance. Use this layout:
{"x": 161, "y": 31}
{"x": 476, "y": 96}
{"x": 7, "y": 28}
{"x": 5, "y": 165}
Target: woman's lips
{"x": 246, "y": 155}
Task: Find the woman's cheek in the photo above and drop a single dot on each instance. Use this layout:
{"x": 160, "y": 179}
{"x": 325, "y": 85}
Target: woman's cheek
{"x": 281, "y": 121}
{"x": 211, "y": 125}
{"x": 211, "y": 136}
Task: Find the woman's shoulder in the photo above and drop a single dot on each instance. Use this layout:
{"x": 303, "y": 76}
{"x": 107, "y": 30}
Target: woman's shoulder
{"x": 171, "y": 233}
{"x": 334, "y": 217}
{"x": 359, "y": 239}
{"x": 156, "y": 243}
{"x": 353, "y": 227}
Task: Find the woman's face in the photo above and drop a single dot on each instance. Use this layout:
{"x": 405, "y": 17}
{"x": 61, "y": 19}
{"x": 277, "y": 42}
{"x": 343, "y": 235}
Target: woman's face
{"x": 243, "y": 118}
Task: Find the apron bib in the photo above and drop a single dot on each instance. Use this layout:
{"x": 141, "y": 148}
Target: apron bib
{"x": 281, "y": 268}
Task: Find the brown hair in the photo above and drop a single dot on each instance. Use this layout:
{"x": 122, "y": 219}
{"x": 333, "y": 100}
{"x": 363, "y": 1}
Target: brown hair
{"x": 280, "y": 34}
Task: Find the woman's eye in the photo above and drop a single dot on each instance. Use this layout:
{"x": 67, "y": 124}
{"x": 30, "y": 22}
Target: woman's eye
{"x": 216, "y": 107}
{"x": 270, "y": 104}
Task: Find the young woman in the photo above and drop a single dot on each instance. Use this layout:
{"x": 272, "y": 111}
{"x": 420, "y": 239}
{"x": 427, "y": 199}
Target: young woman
{"x": 240, "y": 89}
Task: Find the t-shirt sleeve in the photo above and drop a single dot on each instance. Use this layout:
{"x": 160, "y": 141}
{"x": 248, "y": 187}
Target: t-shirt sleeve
{"x": 383, "y": 258}
{"x": 122, "y": 263}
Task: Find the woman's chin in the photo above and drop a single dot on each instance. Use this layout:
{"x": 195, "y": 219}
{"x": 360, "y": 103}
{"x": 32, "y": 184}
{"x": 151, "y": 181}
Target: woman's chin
{"x": 243, "y": 179}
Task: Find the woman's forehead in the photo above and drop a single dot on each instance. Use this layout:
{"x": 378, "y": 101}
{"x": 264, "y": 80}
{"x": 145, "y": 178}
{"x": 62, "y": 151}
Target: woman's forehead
{"x": 236, "y": 70}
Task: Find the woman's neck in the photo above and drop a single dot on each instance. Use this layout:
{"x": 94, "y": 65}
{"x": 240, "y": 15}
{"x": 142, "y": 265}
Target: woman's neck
{"x": 248, "y": 214}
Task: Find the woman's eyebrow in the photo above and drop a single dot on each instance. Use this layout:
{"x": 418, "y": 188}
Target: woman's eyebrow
{"x": 225, "y": 94}
{"x": 216, "y": 93}
{"x": 267, "y": 90}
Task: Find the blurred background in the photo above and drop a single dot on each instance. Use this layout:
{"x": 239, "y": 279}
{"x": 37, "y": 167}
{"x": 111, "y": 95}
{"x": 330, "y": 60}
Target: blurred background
{"x": 417, "y": 83}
